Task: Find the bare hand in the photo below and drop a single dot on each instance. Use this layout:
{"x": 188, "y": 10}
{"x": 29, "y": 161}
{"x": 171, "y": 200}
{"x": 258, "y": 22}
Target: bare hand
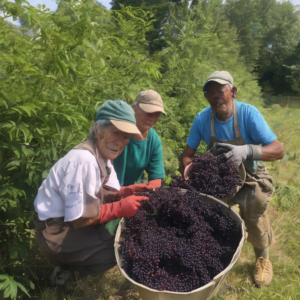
{"x": 186, "y": 173}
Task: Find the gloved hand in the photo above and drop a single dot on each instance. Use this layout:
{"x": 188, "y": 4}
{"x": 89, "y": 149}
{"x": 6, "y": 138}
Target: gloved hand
{"x": 153, "y": 184}
{"x": 129, "y": 190}
{"x": 187, "y": 170}
{"x": 238, "y": 154}
{"x": 126, "y": 207}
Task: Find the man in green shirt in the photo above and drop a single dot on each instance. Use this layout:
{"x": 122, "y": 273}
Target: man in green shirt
{"x": 143, "y": 153}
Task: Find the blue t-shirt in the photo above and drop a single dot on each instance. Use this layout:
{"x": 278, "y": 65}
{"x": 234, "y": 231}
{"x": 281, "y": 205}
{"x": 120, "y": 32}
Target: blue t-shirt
{"x": 139, "y": 156}
{"x": 253, "y": 127}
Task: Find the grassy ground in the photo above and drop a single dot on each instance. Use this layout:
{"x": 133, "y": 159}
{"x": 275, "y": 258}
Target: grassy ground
{"x": 284, "y": 254}
{"x": 284, "y": 213}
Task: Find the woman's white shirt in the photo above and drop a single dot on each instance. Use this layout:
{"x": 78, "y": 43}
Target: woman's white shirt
{"x": 72, "y": 182}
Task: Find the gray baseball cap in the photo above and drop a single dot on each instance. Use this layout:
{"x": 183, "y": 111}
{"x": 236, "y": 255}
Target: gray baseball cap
{"x": 222, "y": 77}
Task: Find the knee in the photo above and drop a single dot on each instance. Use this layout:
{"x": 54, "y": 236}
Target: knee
{"x": 260, "y": 204}
{"x": 253, "y": 203}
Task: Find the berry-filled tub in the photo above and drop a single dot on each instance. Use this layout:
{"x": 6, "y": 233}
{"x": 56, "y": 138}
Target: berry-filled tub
{"x": 180, "y": 245}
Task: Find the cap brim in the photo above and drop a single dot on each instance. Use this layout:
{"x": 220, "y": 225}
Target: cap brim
{"x": 149, "y": 108}
{"x": 220, "y": 81}
{"x": 125, "y": 127}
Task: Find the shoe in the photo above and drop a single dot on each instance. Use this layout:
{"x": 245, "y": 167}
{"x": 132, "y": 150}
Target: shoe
{"x": 70, "y": 287}
{"x": 63, "y": 279}
{"x": 54, "y": 274}
{"x": 126, "y": 285}
{"x": 263, "y": 273}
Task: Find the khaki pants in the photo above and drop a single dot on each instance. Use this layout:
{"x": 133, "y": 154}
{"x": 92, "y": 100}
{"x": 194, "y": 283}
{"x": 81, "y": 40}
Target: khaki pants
{"x": 253, "y": 199}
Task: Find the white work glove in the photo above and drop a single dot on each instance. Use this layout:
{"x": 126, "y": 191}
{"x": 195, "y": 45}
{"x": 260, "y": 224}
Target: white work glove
{"x": 238, "y": 154}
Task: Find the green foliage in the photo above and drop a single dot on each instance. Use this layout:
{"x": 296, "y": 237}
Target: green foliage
{"x": 286, "y": 197}
{"x": 171, "y": 162}
{"x": 251, "y": 20}
{"x": 58, "y": 68}
{"x": 159, "y": 10}
{"x": 199, "y": 41}
{"x": 269, "y": 34}
{"x": 279, "y": 48}
{"x": 10, "y": 287}
{"x": 285, "y": 124}
{"x": 288, "y": 74}
{"x": 54, "y": 71}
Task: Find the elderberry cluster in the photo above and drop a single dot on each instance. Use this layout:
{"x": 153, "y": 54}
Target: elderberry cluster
{"x": 177, "y": 242}
{"x": 215, "y": 176}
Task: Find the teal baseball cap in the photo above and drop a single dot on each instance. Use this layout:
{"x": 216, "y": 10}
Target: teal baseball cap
{"x": 120, "y": 114}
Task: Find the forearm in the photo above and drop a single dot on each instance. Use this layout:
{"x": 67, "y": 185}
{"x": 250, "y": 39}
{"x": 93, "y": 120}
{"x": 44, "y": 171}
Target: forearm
{"x": 157, "y": 181}
{"x": 186, "y": 160}
{"x": 126, "y": 191}
{"x": 154, "y": 183}
{"x": 272, "y": 151}
{"x": 187, "y": 156}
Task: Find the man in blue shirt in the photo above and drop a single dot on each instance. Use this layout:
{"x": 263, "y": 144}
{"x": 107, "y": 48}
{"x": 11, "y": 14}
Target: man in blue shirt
{"x": 240, "y": 131}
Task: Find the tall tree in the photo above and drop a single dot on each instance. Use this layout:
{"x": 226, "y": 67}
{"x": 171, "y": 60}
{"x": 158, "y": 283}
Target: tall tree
{"x": 251, "y": 19}
{"x": 269, "y": 32}
{"x": 199, "y": 41}
{"x": 279, "y": 48}
{"x": 159, "y": 14}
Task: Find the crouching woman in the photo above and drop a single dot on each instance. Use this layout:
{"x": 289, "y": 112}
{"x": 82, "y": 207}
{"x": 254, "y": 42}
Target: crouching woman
{"x": 82, "y": 193}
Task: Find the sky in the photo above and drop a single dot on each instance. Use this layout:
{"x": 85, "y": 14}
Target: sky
{"x": 52, "y": 3}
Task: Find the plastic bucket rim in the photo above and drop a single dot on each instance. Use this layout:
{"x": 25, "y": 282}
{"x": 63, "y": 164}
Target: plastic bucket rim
{"x": 212, "y": 282}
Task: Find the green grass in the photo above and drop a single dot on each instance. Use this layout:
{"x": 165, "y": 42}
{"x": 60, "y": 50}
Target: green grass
{"x": 285, "y": 122}
{"x": 284, "y": 255}
{"x": 285, "y": 218}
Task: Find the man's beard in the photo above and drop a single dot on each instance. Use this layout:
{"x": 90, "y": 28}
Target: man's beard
{"x": 224, "y": 112}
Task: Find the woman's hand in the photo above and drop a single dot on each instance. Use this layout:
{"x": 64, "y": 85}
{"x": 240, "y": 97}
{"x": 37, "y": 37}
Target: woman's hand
{"x": 153, "y": 184}
{"x": 126, "y": 207}
{"x": 126, "y": 191}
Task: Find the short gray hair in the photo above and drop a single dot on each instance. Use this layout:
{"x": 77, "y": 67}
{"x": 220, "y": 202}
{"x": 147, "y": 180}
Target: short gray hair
{"x": 101, "y": 124}
{"x": 137, "y": 104}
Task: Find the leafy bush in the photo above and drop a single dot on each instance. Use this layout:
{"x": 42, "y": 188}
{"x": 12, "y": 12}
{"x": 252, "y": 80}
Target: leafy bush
{"x": 53, "y": 73}
{"x": 10, "y": 286}
{"x": 286, "y": 197}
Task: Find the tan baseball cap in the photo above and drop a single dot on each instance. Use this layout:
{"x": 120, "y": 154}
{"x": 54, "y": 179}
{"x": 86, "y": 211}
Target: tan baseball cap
{"x": 222, "y": 77}
{"x": 150, "y": 102}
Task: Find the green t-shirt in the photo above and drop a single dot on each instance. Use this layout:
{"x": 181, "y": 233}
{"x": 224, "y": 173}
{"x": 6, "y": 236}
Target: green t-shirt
{"x": 139, "y": 156}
